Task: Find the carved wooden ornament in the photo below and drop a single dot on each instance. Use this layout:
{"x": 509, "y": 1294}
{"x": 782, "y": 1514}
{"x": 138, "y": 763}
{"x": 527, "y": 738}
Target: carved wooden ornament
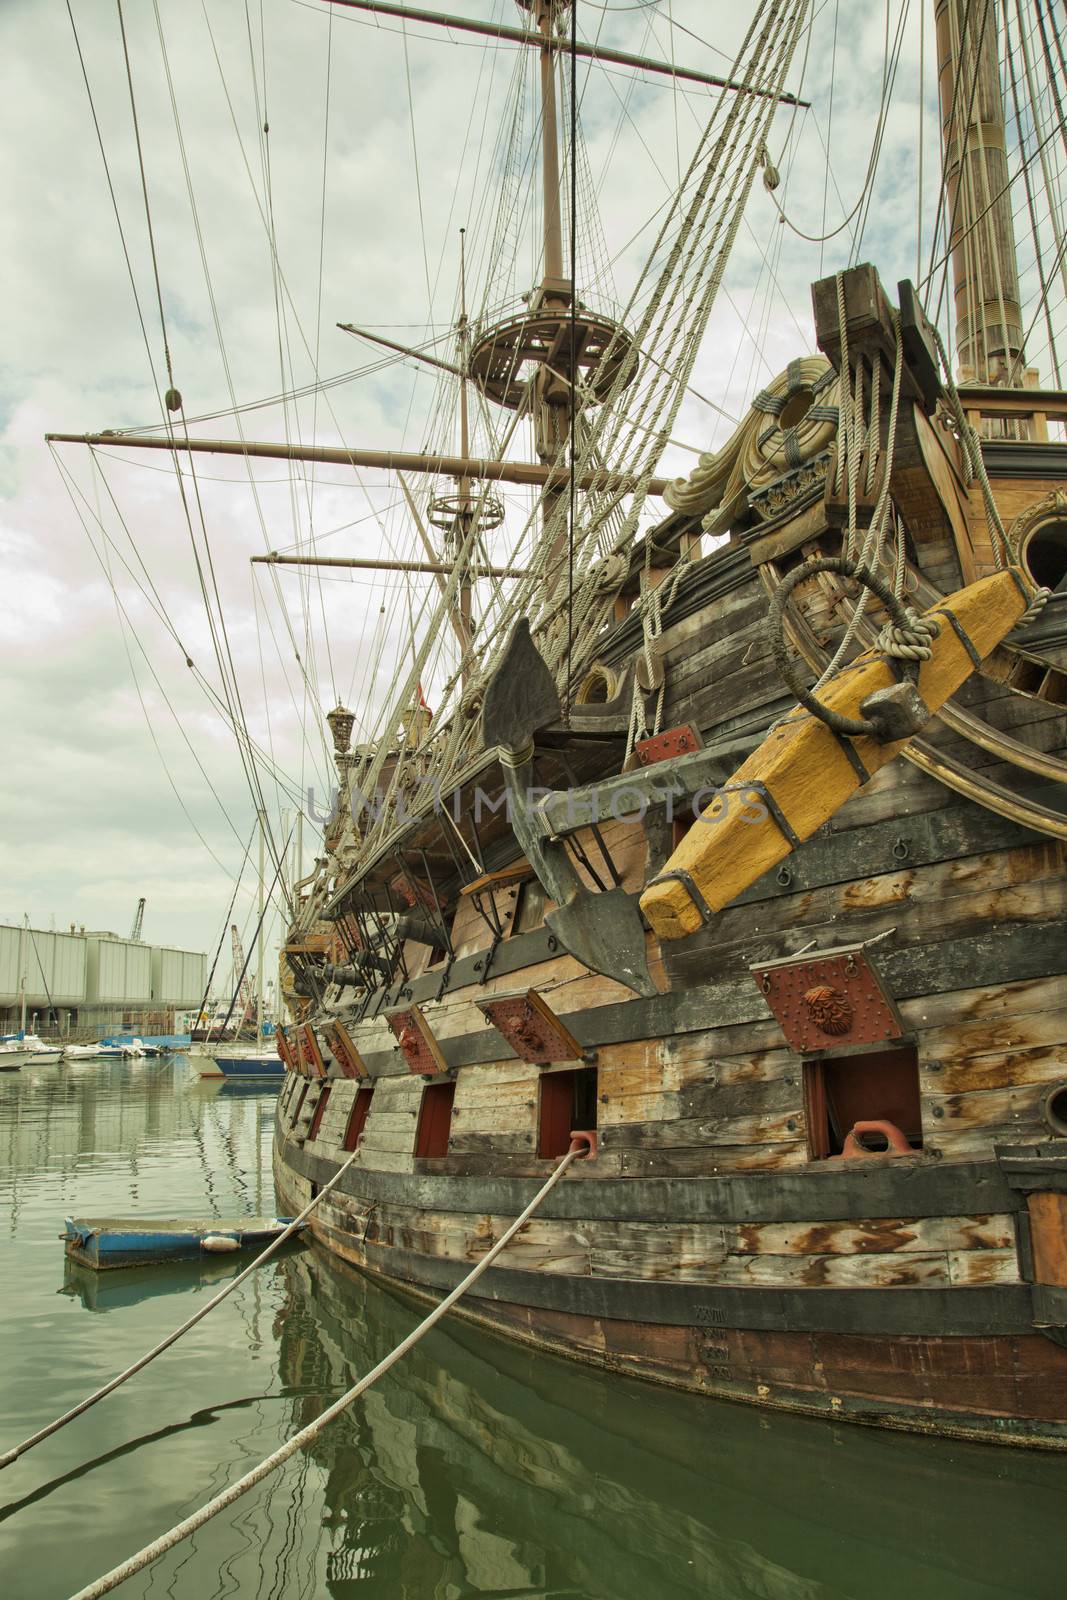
{"x": 316, "y": 1067}
{"x": 281, "y": 1040}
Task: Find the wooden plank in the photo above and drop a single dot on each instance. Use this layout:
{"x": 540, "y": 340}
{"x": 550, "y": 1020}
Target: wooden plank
{"x": 908, "y": 1311}
{"x": 1048, "y": 1237}
{"x": 885, "y": 1271}
{"x": 971, "y": 1267}
{"x": 818, "y": 1192}
{"x": 708, "y": 1133}
{"x": 873, "y": 1236}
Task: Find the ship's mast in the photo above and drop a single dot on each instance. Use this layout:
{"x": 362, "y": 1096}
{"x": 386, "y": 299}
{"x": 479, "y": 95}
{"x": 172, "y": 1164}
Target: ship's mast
{"x": 985, "y": 273}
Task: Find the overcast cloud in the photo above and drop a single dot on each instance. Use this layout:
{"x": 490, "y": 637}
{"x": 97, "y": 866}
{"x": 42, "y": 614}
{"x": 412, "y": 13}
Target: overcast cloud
{"x": 101, "y": 714}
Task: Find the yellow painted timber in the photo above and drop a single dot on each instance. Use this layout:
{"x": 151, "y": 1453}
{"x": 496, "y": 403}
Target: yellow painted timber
{"x": 804, "y": 768}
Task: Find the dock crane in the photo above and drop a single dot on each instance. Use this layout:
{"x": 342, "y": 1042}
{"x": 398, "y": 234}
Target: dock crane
{"x": 138, "y": 921}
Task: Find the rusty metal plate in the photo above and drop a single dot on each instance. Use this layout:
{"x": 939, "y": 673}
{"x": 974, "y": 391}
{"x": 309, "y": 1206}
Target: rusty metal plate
{"x": 417, "y": 1043}
{"x": 531, "y": 1028}
{"x": 829, "y": 1000}
{"x": 680, "y": 741}
{"x": 344, "y": 1051}
{"x": 313, "y": 1061}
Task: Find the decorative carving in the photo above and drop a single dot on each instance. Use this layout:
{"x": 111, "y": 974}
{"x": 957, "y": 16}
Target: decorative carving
{"x": 344, "y": 1051}
{"x": 532, "y": 1028}
{"x": 310, "y": 1051}
{"x": 829, "y": 1009}
{"x": 826, "y": 999}
{"x": 417, "y": 1044}
{"x": 781, "y": 445}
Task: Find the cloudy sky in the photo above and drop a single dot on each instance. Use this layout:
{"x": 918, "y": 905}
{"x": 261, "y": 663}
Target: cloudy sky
{"x": 122, "y": 774}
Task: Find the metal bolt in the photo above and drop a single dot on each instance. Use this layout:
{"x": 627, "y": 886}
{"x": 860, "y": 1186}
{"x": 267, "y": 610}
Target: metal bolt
{"x": 939, "y": 1111}
{"x": 932, "y": 1066}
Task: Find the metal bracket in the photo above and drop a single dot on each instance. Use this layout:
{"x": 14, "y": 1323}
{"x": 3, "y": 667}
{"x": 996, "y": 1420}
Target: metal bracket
{"x": 761, "y": 790}
{"x": 689, "y": 885}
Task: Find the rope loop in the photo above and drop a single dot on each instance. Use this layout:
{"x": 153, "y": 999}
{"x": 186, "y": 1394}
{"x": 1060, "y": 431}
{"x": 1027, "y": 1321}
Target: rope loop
{"x": 910, "y": 643}
{"x": 901, "y": 617}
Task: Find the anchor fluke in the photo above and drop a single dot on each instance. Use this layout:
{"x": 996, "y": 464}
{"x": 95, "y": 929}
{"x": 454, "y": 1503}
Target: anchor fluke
{"x": 604, "y": 931}
{"x": 521, "y": 696}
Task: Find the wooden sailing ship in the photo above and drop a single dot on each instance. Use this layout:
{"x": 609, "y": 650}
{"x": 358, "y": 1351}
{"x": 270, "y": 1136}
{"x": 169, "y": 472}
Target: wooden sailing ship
{"x": 787, "y": 962}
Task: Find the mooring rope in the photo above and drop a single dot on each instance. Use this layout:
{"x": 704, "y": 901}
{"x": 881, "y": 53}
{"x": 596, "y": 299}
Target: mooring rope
{"x": 164, "y": 1344}
{"x": 190, "y": 1524}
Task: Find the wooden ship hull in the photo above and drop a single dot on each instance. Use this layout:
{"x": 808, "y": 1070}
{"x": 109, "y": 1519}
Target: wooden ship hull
{"x": 724, "y": 1238}
{"x": 812, "y": 1034}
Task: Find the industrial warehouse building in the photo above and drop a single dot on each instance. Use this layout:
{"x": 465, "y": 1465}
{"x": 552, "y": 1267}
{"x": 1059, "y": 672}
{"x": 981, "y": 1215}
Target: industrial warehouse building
{"x": 96, "y": 982}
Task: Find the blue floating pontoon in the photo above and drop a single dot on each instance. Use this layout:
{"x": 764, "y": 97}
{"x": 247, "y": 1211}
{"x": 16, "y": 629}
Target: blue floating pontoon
{"x": 103, "y": 1242}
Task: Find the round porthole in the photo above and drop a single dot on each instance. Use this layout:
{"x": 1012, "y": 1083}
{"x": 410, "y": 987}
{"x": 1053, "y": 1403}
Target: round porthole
{"x": 1038, "y": 539}
{"x": 1054, "y": 1109}
{"x": 1045, "y": 553}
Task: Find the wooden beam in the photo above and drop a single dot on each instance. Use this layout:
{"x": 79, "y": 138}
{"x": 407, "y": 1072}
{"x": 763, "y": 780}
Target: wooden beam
{"x": 803, "y": 773}
{"x": 402, "y": 349}
{"x": 533, "y": 473}
{"x": 589, "y": 52}
{"x": 369, "y": 565}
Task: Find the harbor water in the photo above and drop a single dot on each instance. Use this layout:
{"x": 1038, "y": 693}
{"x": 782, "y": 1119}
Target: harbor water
{"x": 477, "y": 1467}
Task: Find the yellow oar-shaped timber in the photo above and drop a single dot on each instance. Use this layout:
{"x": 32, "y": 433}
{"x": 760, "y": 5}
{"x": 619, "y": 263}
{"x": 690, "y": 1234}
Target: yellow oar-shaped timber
{"x": 802, "y": 772}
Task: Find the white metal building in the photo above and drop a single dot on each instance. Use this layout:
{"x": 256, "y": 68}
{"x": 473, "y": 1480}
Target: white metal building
{"x": 95, "y": 981}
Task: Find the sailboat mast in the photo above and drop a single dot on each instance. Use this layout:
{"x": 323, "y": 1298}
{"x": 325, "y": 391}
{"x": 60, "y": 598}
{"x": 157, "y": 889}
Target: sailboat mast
{"x": 262, "y": 816}
{"x": 985, "y": 273}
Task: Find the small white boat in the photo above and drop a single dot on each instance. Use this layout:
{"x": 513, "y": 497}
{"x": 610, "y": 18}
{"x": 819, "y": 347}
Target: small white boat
{"x": 20, "y": 1052}
{"x": 92, "y": 1052}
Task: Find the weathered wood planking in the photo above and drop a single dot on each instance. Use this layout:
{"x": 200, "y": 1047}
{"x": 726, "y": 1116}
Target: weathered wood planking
{"x": 889, "y": 1252}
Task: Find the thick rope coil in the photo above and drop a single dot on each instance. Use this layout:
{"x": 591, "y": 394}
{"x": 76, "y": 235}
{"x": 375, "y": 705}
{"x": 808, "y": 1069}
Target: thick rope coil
{"x": 911, "y": 643}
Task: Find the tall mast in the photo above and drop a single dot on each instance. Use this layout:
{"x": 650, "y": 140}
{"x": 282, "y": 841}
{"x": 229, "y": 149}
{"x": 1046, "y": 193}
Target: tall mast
{"x": 985, "y": 273}
{"x": 553, "y": 226}
{"x": 262, "y": 817}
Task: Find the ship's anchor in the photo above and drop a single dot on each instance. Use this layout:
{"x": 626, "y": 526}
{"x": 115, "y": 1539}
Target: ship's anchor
{"x": 603, "y": 930}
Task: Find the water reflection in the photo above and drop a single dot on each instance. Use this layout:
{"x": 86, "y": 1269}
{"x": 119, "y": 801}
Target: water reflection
{"x": 486, "y": 1469}
{"x": 476, "y": 1468}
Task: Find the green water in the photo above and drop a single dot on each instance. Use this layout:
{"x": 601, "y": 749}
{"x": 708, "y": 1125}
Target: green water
{"x": 476, "y": 1468}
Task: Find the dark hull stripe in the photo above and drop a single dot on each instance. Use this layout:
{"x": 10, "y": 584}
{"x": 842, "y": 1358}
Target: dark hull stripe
{"x": 898, "y": 1189}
